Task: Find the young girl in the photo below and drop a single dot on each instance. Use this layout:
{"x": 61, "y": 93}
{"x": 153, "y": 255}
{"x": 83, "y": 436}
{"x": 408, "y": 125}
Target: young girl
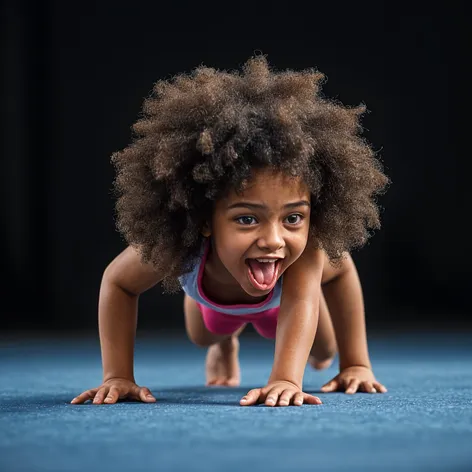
{"x": 247, "y": 190}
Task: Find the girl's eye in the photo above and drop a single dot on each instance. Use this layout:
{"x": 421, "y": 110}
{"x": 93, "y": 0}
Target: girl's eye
{"x": 244, "y": 220}
{"x": 296, "y": 221}
{"x": 292, "y": 219}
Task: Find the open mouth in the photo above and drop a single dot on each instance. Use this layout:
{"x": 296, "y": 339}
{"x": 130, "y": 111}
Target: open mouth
{"x": 263, "y": 275}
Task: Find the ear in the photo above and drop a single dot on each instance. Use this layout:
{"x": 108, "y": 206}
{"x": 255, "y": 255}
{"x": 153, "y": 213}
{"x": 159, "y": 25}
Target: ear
{"x": 206, "y": 231}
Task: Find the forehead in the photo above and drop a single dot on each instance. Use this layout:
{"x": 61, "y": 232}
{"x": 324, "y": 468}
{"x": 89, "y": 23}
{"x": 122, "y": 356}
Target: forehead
{"x": 271, "y": 187}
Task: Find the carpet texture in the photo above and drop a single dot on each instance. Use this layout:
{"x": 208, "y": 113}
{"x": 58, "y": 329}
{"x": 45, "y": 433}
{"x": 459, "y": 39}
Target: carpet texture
{"x": 424, "y": 422}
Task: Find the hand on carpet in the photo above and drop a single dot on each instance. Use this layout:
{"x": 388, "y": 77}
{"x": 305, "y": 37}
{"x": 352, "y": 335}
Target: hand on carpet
{"x": 279, "y": 393}
{"x": 353, "y": 379}
{"x": 116, "y": 389}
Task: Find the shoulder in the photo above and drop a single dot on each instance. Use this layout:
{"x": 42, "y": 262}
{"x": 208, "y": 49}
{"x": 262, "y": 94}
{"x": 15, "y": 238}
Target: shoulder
{"x": 128, "y": 271}
{"x": 303, "y": 277}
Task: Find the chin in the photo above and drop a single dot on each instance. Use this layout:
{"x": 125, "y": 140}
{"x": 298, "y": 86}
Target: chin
{"x": 254, "y": 292}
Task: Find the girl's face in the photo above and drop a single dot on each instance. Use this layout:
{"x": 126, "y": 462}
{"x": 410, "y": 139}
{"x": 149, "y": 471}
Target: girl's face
{"x": 270, "y": 220}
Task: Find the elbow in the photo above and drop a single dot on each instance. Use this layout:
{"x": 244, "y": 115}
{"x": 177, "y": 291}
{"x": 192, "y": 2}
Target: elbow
{"x": 109, "y": 278}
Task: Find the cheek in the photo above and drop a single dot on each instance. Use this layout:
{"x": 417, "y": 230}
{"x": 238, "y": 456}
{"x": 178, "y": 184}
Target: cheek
{"x": 301, "y": 242}
{"x": 228, "y": 249}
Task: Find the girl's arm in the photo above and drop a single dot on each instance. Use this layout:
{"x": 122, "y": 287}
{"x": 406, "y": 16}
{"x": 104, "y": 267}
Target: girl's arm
{"x": 296, "y": 329}
{"x": 123, "y": 281}
{"x": 125, "y": 278}
{"x": 298, "y": 317}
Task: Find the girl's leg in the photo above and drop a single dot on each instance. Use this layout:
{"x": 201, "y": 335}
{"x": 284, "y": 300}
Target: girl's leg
{"x": 197, "y": 332}
{"x": 222, "y": 360}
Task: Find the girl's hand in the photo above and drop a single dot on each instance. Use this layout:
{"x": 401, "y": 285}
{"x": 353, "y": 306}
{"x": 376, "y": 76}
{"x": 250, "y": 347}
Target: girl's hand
{"x": 116, "y": 389}
{"x": 279, "y": 393}
{"x": 354, "y": 378}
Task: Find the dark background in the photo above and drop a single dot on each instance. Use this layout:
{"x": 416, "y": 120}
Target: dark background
{"x": 74, "y": 78}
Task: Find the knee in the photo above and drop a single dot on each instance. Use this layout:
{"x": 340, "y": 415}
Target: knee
{"x": 201, "y": 341}
{"x": 198, "y": 336}
{"x": 331, "y": 350}
{"x": 324, "y": 351}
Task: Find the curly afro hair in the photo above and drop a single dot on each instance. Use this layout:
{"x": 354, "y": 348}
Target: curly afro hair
{"x": 202, "y": 134}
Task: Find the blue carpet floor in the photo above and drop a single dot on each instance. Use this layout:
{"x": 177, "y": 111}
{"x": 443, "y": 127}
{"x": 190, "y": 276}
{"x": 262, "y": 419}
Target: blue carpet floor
{"x": 424, "y": 422}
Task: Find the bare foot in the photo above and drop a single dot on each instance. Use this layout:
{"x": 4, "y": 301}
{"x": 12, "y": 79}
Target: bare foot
{"x": 222, "y": 363}
{"x": 320, "y": 364}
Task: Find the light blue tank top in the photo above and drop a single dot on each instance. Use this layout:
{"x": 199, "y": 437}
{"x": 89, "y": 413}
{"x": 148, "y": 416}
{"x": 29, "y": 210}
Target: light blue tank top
{"x": 192, "y": 285}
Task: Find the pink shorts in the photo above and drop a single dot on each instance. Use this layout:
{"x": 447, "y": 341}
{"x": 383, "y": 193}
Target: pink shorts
{"x": 264, "y": 322}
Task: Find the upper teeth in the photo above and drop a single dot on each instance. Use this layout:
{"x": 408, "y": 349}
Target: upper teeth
{"x": 266, "y": 260}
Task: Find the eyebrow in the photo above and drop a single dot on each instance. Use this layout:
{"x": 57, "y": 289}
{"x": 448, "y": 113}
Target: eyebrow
{"x": 264, "y": 207}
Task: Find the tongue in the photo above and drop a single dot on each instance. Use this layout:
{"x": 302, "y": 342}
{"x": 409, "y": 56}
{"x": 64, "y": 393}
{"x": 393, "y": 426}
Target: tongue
{"x": 263, "y": 271}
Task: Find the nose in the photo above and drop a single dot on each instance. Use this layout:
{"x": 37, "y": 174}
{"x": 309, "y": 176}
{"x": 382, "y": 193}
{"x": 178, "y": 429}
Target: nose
{"x": 271, "y": 238}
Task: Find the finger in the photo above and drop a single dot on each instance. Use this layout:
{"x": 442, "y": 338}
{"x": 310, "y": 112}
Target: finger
{"x": 331, "y": 386}
{"x": 251, "y": 397}
{"x": 298, "y": 399}
{"x": 273, "y": 396}
{"x": 353, "y": 385}
{"x": 311, "y": 399}
{"x": 380, "y": 388}
{"x": 146, "y": 396}
{"x": 83, "y": 397}
{"x": 286, "y": 397}
{"x": 100, "y": 395}
{"x": 368, "y": 387}
{"x": 113, "y": 395}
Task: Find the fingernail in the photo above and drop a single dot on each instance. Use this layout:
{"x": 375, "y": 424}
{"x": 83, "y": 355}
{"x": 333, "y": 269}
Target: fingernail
{"x": 243, "y": 400}
{"x": 149, "y": 396}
